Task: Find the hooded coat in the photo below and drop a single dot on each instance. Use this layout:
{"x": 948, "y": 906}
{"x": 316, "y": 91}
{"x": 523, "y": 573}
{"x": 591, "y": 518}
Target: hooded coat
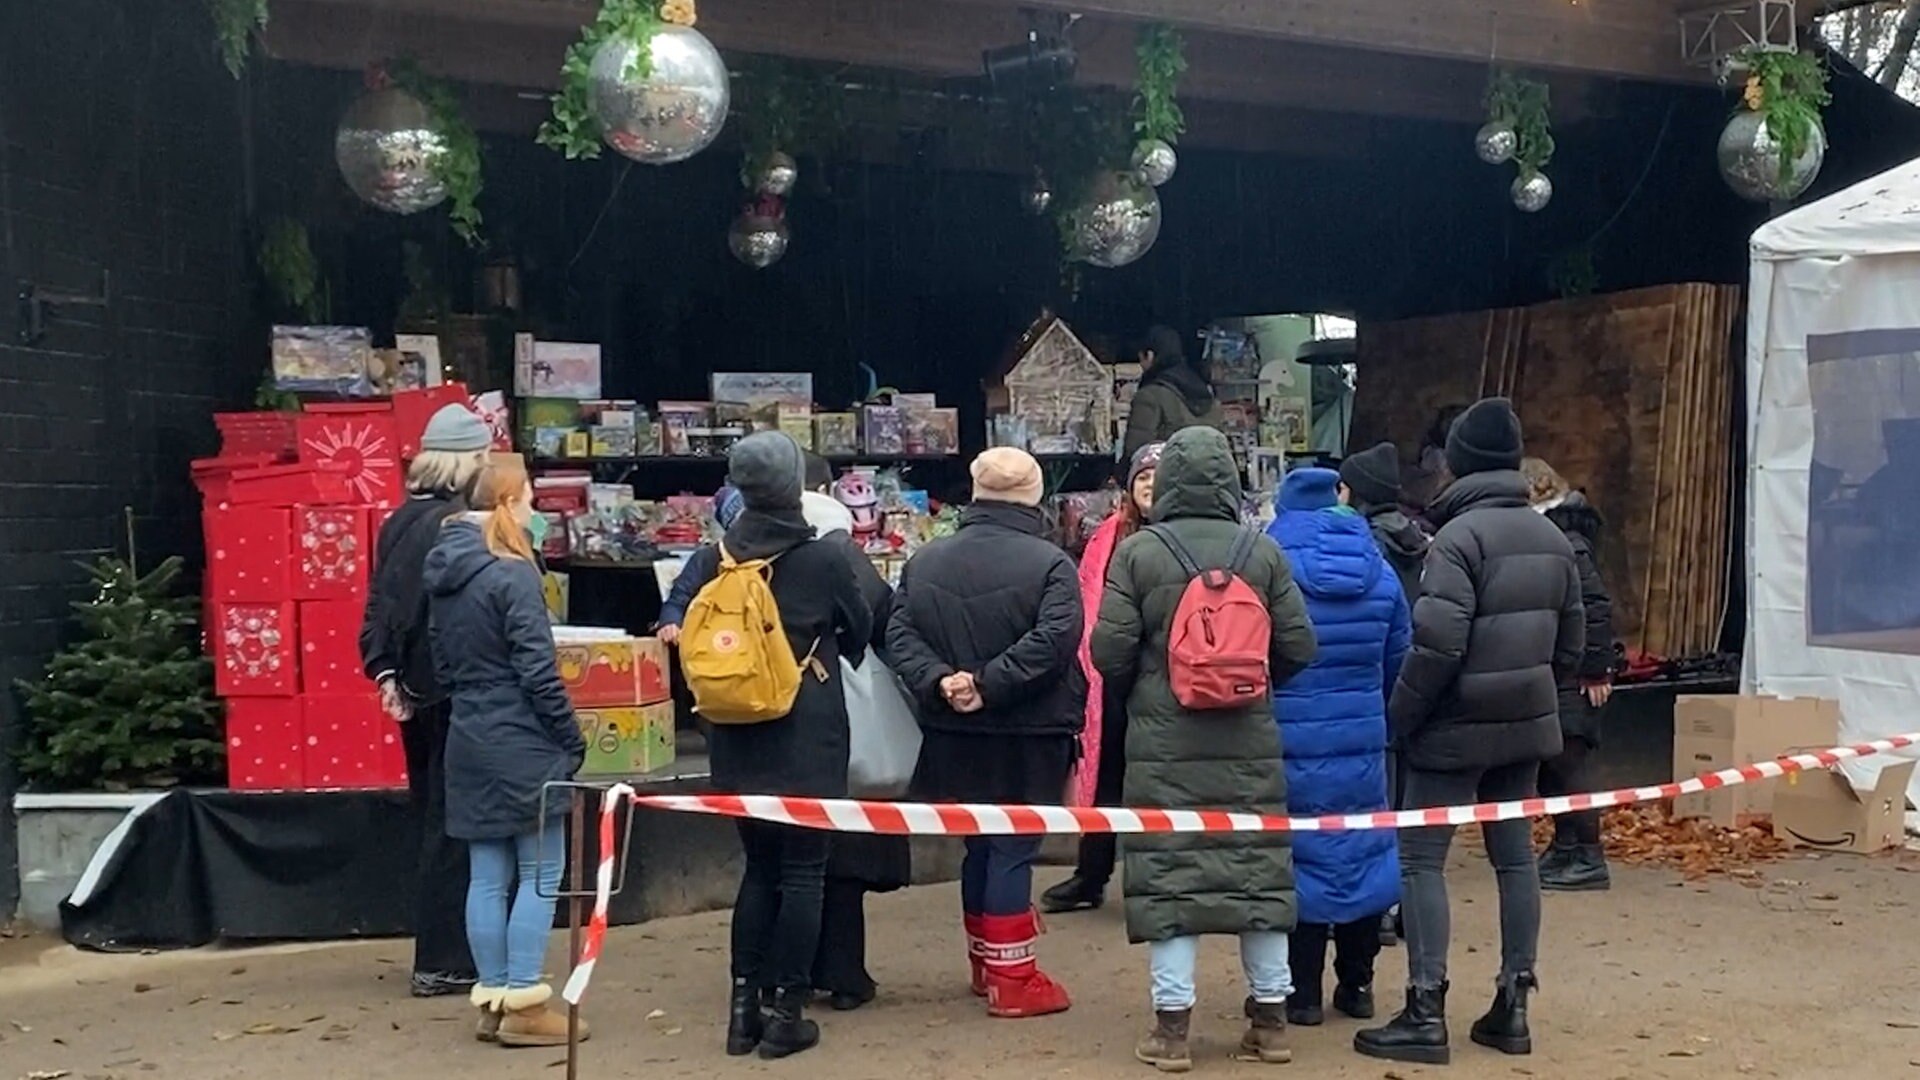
{"x": 1581, "y": 523}
{"x": 1171, "y": 396}
{"x": 1404, "y": 544}
{"x": 394, "y": 641}
{"x": 513, "y": 728}
{"x": 1333, "y": 715}
{"x": 1181, "y": 885}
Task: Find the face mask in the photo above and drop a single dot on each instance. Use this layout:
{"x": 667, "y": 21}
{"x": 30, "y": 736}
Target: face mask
{"x": 537, "y": 529}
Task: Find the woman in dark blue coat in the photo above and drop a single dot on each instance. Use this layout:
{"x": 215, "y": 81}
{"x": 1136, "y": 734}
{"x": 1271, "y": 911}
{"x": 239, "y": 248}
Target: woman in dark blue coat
{"x": 1334, "y": 736}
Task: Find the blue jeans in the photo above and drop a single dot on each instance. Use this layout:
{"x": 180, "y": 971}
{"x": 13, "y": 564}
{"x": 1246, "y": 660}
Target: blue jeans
{"x": 510, "y": 945}
{"x": 1263, "y": 957}
{"x": 996, "y": 877}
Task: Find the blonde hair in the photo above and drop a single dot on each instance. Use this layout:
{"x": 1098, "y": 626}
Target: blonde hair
{"x": 501, "y": 486}
{"x": 449, "y": 471}
{"x": 1543, "y": 483}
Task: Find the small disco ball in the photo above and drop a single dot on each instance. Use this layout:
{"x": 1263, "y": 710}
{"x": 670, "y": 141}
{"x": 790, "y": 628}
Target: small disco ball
{"x": 777, "y": 176}
{"x": 1154, "y": 161}
{"x": 1532, "y": 192}
{"x": 673, "y": 111}
{"x": 757, "y": 239}
{"x": 389, "y": 151}
{"x": 1116, "y": 223}
{"x": 1038, "y": 196}
{"x": 1495, "y": 143}
{"x": 1750, "y": 160}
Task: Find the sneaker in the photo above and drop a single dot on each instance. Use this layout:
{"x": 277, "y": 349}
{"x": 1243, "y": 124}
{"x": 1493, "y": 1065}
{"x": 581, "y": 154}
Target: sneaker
{"x": 432, "y": 984}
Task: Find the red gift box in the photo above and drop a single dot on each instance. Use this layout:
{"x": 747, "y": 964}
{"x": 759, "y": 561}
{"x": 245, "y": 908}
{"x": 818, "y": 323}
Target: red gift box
{"x": 360, "y": 438}
{"x": 311, "y": 483}
{"x": 247, "y": 553}
{"x": 330, "y": 552}
{"x": 351, "y": 743}
{"x": 330, "y": 648}
{"x": 413, "y": 408}
{"x": 254, "y": 650}
{"x": 268, "y": 433}
{"x": 212, "y": 475}
{"x": 266, "y": 743}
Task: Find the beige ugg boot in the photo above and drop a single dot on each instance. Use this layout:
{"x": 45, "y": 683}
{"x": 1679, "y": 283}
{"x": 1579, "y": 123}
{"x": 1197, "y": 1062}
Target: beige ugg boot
{"x": 486, "y": 999}
{"x": 528, "y": 1021}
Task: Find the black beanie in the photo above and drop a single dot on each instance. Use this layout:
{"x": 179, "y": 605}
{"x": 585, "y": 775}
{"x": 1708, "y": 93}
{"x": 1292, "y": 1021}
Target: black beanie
{"x": 1373, "y": 475}
{"x": 1486, "y": 438}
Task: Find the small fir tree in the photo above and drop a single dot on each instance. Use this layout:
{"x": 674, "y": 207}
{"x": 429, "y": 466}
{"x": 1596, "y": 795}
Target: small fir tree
{"x": 132, "y": 705}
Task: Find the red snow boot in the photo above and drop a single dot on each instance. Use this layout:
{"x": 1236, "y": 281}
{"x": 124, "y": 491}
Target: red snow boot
{"x": 976, "y": 957}
{"x": 1016, "y": 987}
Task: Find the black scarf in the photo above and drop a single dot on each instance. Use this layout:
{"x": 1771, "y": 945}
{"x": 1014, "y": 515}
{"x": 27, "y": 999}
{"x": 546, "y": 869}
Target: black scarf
{"x": 763, "y": 534}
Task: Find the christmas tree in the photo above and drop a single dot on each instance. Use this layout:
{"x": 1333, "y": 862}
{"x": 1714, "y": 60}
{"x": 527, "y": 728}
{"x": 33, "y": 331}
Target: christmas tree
{"x": 132, "y": 704}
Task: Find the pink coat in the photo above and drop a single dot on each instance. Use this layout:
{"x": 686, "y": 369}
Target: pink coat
{"x": 1093, "y": 586}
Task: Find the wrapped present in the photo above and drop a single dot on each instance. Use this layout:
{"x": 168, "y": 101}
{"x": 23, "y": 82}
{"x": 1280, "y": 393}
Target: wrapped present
{"x": 361, "y": 438}
{"x": 249, "y": 549}
{"x": 330, "y": 648}
{"x": 309, "y": 483}
{"x": 350, "y": 743}
{"x": 323, "y": 360}
{"x": 412, "y": 409}
{"x": 266, "y": 744}
{"x": 492, "y": 407}
{"x": 272, "y": 435}
{"x": 330, "y": 552}
{"x": 255, "y": 650}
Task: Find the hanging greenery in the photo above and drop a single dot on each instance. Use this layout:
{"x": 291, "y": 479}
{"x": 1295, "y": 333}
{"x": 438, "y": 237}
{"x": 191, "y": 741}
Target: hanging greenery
{"x": 1572, "y": 273}
{"x": 1524, "y": 105}
{"x": 1788, "y": 89}
{"x": 573, "y": 129}
{"x": 459, "y": 167}
{"x": 783, "y": 109}
{"x": 1078, "y": 135}
{"x": 291, "y": 271}
{"x": 234, "y": 24}
{"x": 1162, "y": 58}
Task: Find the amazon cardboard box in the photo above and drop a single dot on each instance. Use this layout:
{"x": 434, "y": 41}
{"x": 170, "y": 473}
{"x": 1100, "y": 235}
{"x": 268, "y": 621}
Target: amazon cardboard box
{"x": 1822, "y": 810}
{"x": 1714, "y": 732}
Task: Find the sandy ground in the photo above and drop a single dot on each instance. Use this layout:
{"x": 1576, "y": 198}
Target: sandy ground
{"x": 1811, "y": 976}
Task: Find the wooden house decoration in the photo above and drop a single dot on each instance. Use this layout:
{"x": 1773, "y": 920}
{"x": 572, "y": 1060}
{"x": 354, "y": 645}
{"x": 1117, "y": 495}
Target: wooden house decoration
{"x": 1056, "y": 392}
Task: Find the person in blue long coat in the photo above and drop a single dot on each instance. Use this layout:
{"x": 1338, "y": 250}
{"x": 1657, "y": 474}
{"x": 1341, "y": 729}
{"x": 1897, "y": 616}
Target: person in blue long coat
{"x": 1334, "y": 737}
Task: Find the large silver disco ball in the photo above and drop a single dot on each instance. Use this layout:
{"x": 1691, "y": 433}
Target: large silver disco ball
{"x": 1116, "y": 222}
{"x": 1495, "y": 143}
{"x": 672, "y": 112}
{"x": 777, "y": 176}
{"x": 1532, "y": 192}
{"x": 1154, "y": 161}
{"x": 758, "y": 239}
{"x": 389, "y": 151}
{"x": 1750, "y": 160}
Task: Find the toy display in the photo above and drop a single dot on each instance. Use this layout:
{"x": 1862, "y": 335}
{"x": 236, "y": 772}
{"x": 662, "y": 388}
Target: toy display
{"x": 1061, "y": 393}
{"x": 323, "y": 360}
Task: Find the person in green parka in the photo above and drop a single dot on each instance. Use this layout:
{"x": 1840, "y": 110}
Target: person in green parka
{"x": 1179, "y": 887}
{"x": 1174, "y": 393}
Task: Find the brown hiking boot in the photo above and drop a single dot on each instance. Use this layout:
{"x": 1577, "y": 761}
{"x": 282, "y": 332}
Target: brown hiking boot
{"x": 1266, "y": 1037}
{"x": 486, "y": 1001}
{"x": 528, "y": 1021}
{"x": 1165, "y": 1047}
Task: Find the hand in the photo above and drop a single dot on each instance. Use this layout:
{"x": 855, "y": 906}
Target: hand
{"x": 393, "y": 702}
{"x": 1598, "y": 694}
{"x": 669, "y": 634}
{"x": 961, "y": 692}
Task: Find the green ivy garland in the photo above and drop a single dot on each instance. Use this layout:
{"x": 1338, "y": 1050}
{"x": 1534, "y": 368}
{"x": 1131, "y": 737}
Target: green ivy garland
{"x": 1788, "y": 89}
{"x": 1573, "y": 273}
{"x": 783, "y": 110}
{"x": 1162, "y": 59}
{"x": 1079, "y": 135}
{"x": 234, "y": 23}
{"x": 459, "y": 167}
{"x": 573, "y": 129}
{"x": 291, "y": 271}
{"x": 1524, "y": 105}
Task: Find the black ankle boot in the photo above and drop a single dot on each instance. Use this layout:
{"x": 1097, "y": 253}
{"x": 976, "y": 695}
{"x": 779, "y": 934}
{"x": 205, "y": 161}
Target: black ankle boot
{"x": 788, "y": 1031}
{"x": 1583, "y": 870}
{"x": 745, "y": 1025}
{"x": 1304, "y": 1010}
{"x": 1504, "y": 1028}
{"x": 1354, "y": 1001}
{"x": 1418, "y": 1034}
{"x": 1073, "y": 894}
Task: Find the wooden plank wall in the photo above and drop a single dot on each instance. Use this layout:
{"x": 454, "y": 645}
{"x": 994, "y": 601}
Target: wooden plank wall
{"x": 1630, "y": 396}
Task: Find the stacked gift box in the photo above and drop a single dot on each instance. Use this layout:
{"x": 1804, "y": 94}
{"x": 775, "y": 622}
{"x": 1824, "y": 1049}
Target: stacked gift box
{"x": 618, "y": 686}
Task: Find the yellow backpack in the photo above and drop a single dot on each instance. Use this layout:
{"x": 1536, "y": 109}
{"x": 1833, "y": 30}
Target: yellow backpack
{"x": 734, "y": 649}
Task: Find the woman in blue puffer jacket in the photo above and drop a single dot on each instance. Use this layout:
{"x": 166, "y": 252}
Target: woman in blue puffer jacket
{"x": 1333, "y": 721}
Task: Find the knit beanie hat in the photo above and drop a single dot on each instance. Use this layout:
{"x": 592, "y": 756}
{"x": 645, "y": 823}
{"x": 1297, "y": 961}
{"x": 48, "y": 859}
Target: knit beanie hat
{"x": 1147, "y": 457}
{"x": 768, "y": 467}
{"x": 1486, "y": 438}
{"x": 819, "y": 472}
{"x": 1005, "y": 474}
{"x": 1373, "y": 475}
{"x": 1309, "y": 489}
{"x": 456, "y": 429}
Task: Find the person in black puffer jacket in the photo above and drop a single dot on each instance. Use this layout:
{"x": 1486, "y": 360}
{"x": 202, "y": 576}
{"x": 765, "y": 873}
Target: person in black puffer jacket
{"x": 1474, "y": 711}
{"x": 985, "y": 633}
{"x": 1577, "y": 861}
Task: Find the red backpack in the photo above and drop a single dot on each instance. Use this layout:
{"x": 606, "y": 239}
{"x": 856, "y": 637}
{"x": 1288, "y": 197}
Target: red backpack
{"x": 1217, "y": 647}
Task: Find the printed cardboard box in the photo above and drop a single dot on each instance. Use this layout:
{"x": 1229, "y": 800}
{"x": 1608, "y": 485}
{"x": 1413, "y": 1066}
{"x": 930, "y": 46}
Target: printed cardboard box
{"x": 1822, "y": 810}
{"x": 1724, "y": 731}
{"x": 606, "y": 670}
{"x": 627, "y": 741}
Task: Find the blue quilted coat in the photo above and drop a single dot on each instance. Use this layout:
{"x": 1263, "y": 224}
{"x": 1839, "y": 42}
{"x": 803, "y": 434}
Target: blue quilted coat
{"x": 1332, "y": 716}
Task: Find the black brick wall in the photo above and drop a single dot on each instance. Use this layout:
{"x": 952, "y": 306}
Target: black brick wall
{"x": 120, "y": 152}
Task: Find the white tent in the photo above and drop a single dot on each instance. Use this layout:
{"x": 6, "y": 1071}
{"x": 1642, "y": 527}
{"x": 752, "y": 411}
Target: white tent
{"x": 1833, "y": 472}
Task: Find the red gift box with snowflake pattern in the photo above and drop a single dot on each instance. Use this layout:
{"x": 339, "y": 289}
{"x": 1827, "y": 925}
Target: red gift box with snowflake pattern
{"x": 362, "y": 439}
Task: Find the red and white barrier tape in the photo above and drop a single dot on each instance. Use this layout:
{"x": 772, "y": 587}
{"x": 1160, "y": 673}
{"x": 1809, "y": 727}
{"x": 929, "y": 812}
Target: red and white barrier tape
{"x": 930, "y": 819}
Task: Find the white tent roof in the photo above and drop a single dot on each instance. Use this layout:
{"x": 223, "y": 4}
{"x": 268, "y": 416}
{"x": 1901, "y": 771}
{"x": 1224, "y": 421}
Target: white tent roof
{"x": 1878, "y": 216}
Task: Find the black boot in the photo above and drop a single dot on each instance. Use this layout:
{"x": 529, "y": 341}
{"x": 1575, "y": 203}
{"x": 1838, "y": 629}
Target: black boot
{"x": 1556, "y": 856}
{"x": 1354, "y": 1001}
{"x": 1073, "y": 894}
{"x": 1418, "y": 1034}
{"x": 744, "y": 1022}
{"x": 1303, "y": 1009}
{"x": 1504, "y": 1028}
{"x": 788, "y": 1030}
{"x": 1585, "y": 870}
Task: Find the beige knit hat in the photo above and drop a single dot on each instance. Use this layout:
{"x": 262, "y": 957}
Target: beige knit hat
{"x": 1005, "y": 474}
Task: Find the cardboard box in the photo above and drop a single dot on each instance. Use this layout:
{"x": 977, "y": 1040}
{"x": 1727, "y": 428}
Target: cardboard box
{"x": 1721, "y": 732}
{"x": 1822, "y": 810}
{"x": 627, "y": 741}
{"x": 608, "y": 672}
{"x": 351, "y": 742}
{"x": 266, "y": 741}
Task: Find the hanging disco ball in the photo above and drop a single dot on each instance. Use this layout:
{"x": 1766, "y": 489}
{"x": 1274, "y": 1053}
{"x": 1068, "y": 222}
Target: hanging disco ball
{"x": 1154, "y": 161}
{"x": 1038, "y": 196}
{"x": 1495, "y": 143}
{"x": 758, "y": 239}
{"x": 1750, "y": 160}
{"x": 1532, "y": 192}
{"x": 389, "y": 151}
{"x": 672, "y": 112}
{"x": 1116, "y": 223}
{"x": 777, "y": 176}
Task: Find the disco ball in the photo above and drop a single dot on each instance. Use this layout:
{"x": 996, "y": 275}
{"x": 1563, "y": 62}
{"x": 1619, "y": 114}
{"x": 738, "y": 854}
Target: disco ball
{"x": 1495, "y": 143}
{"x": 777, "y": 176}
{"x": 389, "y": 151}
{"x": 1750, "y": 160}
{"x": 1154, "y": 161}
{"x": 1532, "y": 192}
{"x": 1038, "y": 196}
{"x": 758, "y": 239}
{"x": 1116, "y": 223}
{"x": 672, "y": 112}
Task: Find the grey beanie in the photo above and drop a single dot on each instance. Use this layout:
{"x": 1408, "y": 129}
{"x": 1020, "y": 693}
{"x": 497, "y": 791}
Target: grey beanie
{"x": 769, "y": 469}
{"x": 456, "y": 429}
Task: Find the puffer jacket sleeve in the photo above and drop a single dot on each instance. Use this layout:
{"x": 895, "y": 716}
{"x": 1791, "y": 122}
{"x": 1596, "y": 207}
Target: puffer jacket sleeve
{"x": 1569, "y": 648}
{"x": 701, "y": 567}
{"x": 1399, "y": 636}
{"x": 531, "y": 651}
{"x": 1143, "y": 422}
{"x": 1117, "y": 633}
{"x": 1596, "y": 658}
{"x": 1442, "y": 623}
{"x": 1293, "y": 643}
{"x": 1043, "y": 653}
{"x": 913, "y": 657}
